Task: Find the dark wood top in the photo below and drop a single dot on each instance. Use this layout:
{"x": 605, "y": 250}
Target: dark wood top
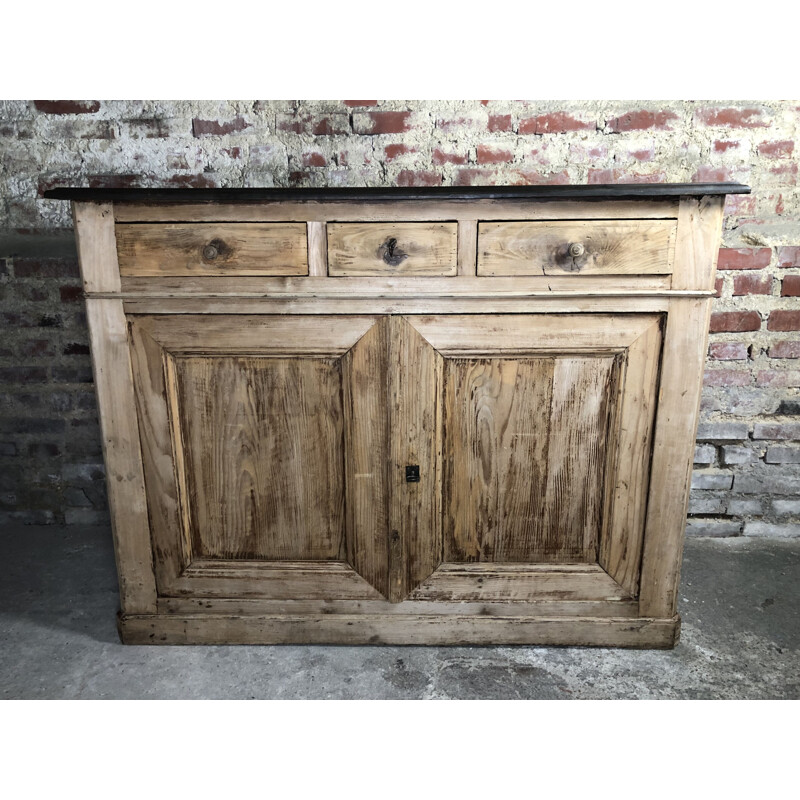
{"x": 627, "y": 191}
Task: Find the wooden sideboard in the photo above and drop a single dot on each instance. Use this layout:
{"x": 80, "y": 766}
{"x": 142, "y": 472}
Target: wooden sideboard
{"x": 410, "y": 416}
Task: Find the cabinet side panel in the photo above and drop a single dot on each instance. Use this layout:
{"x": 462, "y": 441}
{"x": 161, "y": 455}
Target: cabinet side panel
{"x": 97, "y": 246}
{"x": 122, "y": 453}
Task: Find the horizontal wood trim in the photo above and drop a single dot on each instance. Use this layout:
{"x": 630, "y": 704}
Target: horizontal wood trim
{"x": 519, "y": 333}
{"x": 264, "y": 335}
{"x": 393, "y": 248}
{"x": 399, "y": 629}
{"x": 420, "y": 210}
{"x": 608, "y": 247}
{"x": 273, "y": 580}
{"x": 523, "y": 582}
{"x": 227, "y": 606}
{"x": 209, "y": 249}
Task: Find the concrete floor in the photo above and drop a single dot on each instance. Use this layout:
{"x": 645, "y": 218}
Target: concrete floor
{"x": 740, "y": 602}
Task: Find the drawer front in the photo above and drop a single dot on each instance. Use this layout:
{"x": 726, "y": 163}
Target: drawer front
{"x": 631, "y": 247}
{"x": 212, "y": 249}
{"x": 401, "y": 248}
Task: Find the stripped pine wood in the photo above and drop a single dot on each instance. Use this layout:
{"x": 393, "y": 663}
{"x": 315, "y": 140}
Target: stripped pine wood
{"x": 503, "y": 608}
{"x": 415, "y": 543}
{"x": 317, "y": 250}
{"x": 575, "y": 456}
{"x": 467, "y": 247}
{"x": 417, "y": 210}
{"x": 399, "y": 248}
{"x": 519, "y": 583}
{"x": 213, "y": 249}
{"x": 629, "y": 468}
{"x": 97, "y": 248}
{"x": 603, "y": 247}
{"x": 365, "y": 391}
{"x": 401, "y": 630}
{"x": 113, "y": 380}
{"x": 698, "y": 241}
{"x": 263, "y": 442}
{"x": 496, "y": 419}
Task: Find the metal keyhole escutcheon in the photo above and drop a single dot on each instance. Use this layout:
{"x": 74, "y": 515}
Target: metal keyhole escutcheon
{"x": 391, "y": 253}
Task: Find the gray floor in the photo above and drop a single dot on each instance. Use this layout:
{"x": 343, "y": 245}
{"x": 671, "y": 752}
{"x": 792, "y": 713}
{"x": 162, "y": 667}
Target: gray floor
{"x": 58, "y": 599}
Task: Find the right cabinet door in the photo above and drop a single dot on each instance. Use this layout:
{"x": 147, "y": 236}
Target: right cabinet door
{"x": 546, "y": 424}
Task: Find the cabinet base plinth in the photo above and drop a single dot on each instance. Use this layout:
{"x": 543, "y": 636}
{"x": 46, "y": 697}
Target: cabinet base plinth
{"x": 399, "y": 630}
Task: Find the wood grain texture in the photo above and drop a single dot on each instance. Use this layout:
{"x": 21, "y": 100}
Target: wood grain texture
{"x": 97, "y": 249}
{"x": 415, "y": 538}
{"x": 212, "y": 249}
{"x": 467, "y": 247}
{"x": 698, "y": 241}
{"x": 609, "y": 247}
{"x": 113, "y": 380}
{"x": 575, "y": 457}
{"x": 628, "y": 465}
{"x": 400, "y": 629}
{"x": 523, "y": 583}
{"x": 418, "y": 210}
{"x": 317, "y": 250}
{"x": 365, "y": 385}
{"x": 263, "y": 440}
{"x": 399, "y": 248}
{"x": 496, "y": 422}
{"x": 685, "y": 342}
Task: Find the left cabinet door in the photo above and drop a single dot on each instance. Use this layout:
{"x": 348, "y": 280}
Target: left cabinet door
{"x": 247, "y": 424}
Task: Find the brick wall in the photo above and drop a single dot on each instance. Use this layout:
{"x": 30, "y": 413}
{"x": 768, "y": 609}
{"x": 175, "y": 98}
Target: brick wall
{"x": 747, "y": 477}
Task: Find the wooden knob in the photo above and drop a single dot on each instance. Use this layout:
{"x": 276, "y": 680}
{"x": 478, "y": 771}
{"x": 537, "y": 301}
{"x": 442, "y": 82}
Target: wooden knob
{"x": 210, "y": 252}
{"x": 576, "y": 249}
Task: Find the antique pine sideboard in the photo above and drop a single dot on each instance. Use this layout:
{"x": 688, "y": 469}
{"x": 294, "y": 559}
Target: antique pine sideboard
{"x": 412, "y": 416}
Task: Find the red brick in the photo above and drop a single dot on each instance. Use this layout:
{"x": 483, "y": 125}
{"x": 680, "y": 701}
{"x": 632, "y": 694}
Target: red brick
{"x": 392, "y": 151}
{"x": 789, "y": 256}
{"x": 642, "y": 120}
{"x": 739, "y": 205}
{"x": 726, "y": 377}
{"x": 706, "y": 174}
{"x": 721, "y": 146}
{"x": 735, "y": 321}
{"x": 314, "y": 159}
{"x": 718, "y": 283}
{"x": 781, "y": 149}
{"x": 125, "y": 181}
{"x": 643, "y": 155}
{"x": 491, "y": 155}
{"x": 360, "y": 103}
{"x": 70, "y": 294}
{"x": 785, "y": 175}
{"x": 728, "y": 351}
{"x": 558, "y": 122}
{"x": 790, "y": 287}
{"x": 744, "y": 258}
{"x": 199, "y": 181}
{"x": 620, "y": 176}
{"x": 408, "y": 177}
{"x": 786, "y": 348}
{"x": 499, "y": 122}
{"x": 67, "y": 106}
{"x": 212, "y": 127}
{"x": 323, "y": 125}
{"x": 233, "y": 152}
{"x": 783, "y": 320}
{"x": 533, "y": 178}
{"x": 439, "y": 157}
{"x": 470, "y": 176}
{"x": 782, "y": 379}
{"x": 773, "y": 431}
{"x": 751, "y": 284}
{"x": 45, "y": 268}
{"x": 731, "y": 117}
{"x": 373, "y": 123}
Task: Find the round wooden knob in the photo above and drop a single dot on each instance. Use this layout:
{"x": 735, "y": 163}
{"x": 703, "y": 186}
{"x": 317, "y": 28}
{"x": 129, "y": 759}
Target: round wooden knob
{"x": 210, "y": 252}
{"x": 576, "y": 250}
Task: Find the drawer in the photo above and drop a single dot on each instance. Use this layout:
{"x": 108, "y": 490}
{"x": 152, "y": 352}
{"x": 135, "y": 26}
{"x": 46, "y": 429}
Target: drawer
{"x": 385, "y": 248}
{"x": 212, "y": 249}
{"x": 594, "y": 247}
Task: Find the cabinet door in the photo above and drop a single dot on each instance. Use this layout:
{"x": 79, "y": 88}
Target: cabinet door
{"x": 546, "y": 427}
{"x": 275, "y": 452}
